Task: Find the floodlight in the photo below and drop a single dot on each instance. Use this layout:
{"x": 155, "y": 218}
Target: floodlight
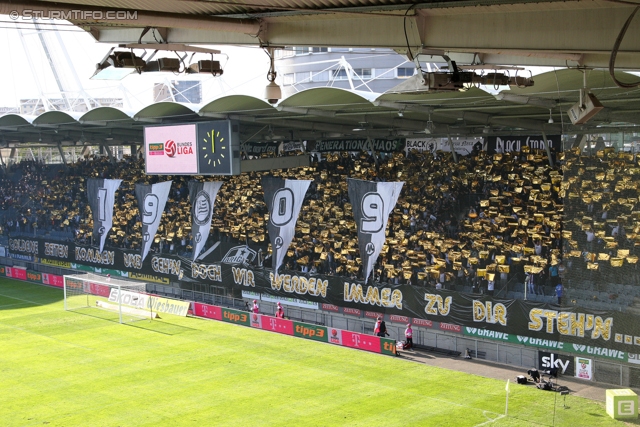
{"x": 424, "y": 82}
{"x": 163, "y": 64}
{"x": 125, "y": 59}
{"x": 205, "y": 66}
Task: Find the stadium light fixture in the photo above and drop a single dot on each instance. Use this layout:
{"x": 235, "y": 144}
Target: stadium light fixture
{"x": 361, "y": 126}
{"x": 163, "y": 64}
{"x": 206, "y": 66}
{"x": 431, "y": 127}
{"x": 118, "y": 64}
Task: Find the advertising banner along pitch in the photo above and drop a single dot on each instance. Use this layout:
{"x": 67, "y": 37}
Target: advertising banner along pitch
{"x": 562, "y": 330}
{"x": 372, "y": 202}
{"x": 151, "y": 202}
{"x": 203, "y": 197}
{"x": 284, "y": 199}
{"x": 101, "y": 193}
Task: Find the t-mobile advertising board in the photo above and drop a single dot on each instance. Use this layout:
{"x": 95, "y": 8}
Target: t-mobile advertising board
{"x": 298, "y": 329}
{"x": 207, "y": 311}
{"x": 17, "y": 273}
{"x": 274, "y": 324}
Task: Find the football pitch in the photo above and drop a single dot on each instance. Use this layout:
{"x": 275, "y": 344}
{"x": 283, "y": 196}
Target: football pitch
{"x": 62, "y": 368}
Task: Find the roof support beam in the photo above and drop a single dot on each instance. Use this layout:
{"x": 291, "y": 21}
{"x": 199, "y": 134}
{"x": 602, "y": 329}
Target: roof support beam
{"x": 551, "y": 33}
{"x": 64, "y": 159}
{"x": 127, "y": 17}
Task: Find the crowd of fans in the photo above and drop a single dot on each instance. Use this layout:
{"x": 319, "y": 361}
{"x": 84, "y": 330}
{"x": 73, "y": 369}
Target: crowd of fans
{"x": 483, "y": 223}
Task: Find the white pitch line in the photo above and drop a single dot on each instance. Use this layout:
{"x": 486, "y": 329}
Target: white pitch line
{"x": 490, "y": 421}
{"x": 23, "y": 300}
{"x": 35, "y": 333}
{"x": 2, "y": 307}
{"x": 44, "y": 336}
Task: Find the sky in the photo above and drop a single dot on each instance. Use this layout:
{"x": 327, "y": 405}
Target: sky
{"x": 28, "y": 73}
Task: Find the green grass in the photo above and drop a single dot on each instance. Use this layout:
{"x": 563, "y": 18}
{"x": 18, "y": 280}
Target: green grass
{"x": 62, "y": 368}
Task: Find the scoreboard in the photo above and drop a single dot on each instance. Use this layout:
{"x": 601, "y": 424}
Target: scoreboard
{"x": 204, "y": 148}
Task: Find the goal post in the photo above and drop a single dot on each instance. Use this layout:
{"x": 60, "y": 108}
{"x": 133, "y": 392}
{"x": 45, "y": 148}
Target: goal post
{"x": 125, "y": 298}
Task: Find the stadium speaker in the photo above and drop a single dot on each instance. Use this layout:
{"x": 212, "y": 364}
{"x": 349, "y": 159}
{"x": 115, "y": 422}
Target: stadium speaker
{"x": 521, "y": 379}
{"x": 581, "y": 113}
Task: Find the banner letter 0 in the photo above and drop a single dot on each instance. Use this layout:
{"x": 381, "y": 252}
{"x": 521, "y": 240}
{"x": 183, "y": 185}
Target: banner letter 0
{"x": 150, "y": 209}
{"x": 372, "y": 212}
{"x": 282, "y": 207}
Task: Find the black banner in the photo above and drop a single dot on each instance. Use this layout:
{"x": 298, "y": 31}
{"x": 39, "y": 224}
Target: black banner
{"x": 151, "y": 202}
{"x": 101, "y": 195}
{"x": 202, "y": 196}
{"x": 359, "y": 144}
{"x": 258, "y": 148}
{"x": 372, "y": 202}
{"x": 284, "y": 198}
{"x": 507, "y": 144}
{"x": 585, "y": 330}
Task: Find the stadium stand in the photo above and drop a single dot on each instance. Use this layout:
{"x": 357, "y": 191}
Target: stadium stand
{"x": 502, "y": 217}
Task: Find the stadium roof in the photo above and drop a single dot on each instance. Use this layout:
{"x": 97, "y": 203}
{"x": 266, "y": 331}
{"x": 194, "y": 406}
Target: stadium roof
{"x": 322, "y": 113}
{"x": 515, "y": 32}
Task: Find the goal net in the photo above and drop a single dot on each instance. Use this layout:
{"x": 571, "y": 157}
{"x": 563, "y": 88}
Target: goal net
{"x": 126, "y": 300}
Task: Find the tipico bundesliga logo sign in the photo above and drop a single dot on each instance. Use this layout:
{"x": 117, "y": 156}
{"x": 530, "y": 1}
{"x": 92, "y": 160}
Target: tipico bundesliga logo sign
{"x": 170, "y": 148}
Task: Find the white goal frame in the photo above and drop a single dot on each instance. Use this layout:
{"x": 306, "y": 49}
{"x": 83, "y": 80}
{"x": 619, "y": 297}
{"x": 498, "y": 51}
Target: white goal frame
{"x": 90, "y": 291}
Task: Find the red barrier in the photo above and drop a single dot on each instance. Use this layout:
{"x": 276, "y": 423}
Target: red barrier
{"x": 208, "y": 311}
{"x": 17, "y": 273}
{"x": 361, "y": 341}
{"x": 275, "y": 324}
{"x": 98, "y": 289}
{"x": 287, "y": 327}
{"x": 53, "y": 280}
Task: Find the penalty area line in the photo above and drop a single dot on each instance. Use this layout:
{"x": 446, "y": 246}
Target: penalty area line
{"x": 2, "y": 307}
{"x": 35, "y": 333}
{"x": 44, "y": 336}
{"x": 23, "y": 300}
